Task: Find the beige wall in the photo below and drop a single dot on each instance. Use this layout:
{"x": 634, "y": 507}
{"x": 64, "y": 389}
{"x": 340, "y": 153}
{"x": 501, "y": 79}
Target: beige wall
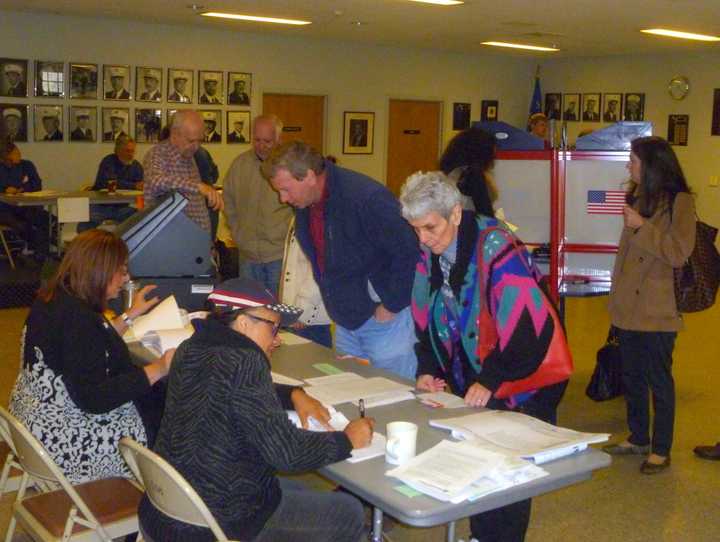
{"x": 352, "y": 76}
{"x": 651, "y": 74}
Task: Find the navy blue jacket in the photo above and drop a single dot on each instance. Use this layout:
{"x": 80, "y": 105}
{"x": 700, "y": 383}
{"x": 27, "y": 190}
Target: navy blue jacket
{"x": 14, "y": 175}
{"x": 366, "y": 238}
{"x": 127, "y": 175}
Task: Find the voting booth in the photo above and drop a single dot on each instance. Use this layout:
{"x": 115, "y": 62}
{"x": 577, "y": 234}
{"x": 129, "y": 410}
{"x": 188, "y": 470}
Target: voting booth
{"x": 170, "y": 250}
{"x": 569, "y": 201}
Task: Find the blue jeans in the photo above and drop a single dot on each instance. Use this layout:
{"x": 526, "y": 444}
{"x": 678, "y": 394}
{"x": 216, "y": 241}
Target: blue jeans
{"x": 305, "y": 515}
{"x": 268, "y": 274}
{"x": 388, "y": 345}
{"x": 100, "y": 213}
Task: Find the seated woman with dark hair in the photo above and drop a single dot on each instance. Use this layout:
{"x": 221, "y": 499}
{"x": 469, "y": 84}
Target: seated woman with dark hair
{"x": 77, "y": 390}
{"x": 226, "y": 431}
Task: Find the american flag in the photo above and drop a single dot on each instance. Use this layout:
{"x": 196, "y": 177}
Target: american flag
{"x": 605, "y": 202}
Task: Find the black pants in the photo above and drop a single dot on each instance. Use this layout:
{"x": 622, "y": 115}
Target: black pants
{"x": 30, "y": 222}
{"x": 509, "y": 523}
{"x": 647, "y": 366}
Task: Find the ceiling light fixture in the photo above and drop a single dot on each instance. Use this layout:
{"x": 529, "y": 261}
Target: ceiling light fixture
{"x": 519, "y": 46}
{"x": 254, "y": 18}
{"x": 440, "y": 2}
{"x": 678, "y": 34}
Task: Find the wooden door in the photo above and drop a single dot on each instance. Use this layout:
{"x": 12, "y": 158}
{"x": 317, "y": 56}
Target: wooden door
{"x": 413, "y": 140}
{"x": 303, "y": 116}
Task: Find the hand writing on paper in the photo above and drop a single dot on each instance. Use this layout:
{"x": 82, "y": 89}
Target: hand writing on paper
{"x": 360, "y": 432}
{"x": 477, "y": 395}
{"x": 632, "y": 218}
{"x": 307, "y": 406}
{"x": 140, "y": 305}
{"x": 430, "y": 383}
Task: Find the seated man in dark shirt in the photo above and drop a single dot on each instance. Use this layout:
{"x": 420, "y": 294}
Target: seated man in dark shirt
{"x": 18, "y": 176}
{"x": 126, "y": 173}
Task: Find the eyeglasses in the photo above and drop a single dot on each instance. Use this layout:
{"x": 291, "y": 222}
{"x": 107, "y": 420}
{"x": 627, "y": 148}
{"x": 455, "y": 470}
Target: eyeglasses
{"x": 275, "y": 325}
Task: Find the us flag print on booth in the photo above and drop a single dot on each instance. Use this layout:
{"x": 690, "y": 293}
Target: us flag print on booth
{"x": 605, "y": 202}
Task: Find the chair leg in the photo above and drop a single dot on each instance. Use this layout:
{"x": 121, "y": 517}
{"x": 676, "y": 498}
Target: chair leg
{"x": 7, "y": 249}
{"x": 18, "y": 498}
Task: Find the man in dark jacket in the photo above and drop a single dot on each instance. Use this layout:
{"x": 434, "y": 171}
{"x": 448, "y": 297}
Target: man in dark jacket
{"x": 362, "y": 251}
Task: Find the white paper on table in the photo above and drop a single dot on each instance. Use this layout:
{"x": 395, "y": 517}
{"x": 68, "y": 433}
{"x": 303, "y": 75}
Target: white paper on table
{"x": 520, "y": 435}
{"x": 388, "y": 398}
{"x": 162, "y": 340}
{"x": 128, "y": 192}
{"x": 291, "y": 339}
{"x": 441, "y": 399}
{"x": 165, "y": 315}
{"x": 277, "y": 378}
{"x": 41, "y": 193}
{"x": 344, "y": 392}
{"x": 333, "y": 379}
{"x": 376, "y": 449}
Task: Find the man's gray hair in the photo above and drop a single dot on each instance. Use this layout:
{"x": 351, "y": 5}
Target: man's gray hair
{"x": 122, "y": 141}
{"x": 424, "y": 193}
{"x": 180, "y": 118}
{"x": 274, "y": 120}
{"x": 296, "y": 157}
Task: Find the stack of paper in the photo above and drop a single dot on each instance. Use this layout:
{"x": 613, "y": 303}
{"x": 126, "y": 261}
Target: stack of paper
{"x": 338, "y": 421}
{"x": 277, "y": 378}
{"x": 518, "y": 435}
{"x": 163, "y": 340}
{"x": 162, "y": 328}
{"x": 458, "y": 471}
{"x": 341, "y": 388}
{"x": 441, "y": 399}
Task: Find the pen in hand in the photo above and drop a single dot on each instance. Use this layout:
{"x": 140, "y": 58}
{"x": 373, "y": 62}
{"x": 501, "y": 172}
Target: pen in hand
{"x": 361, "y": 406}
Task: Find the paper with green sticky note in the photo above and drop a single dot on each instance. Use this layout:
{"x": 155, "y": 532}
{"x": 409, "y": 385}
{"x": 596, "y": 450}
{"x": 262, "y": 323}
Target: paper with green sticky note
{"x": 408, "y": 491}
{"x": 327, "y": 368}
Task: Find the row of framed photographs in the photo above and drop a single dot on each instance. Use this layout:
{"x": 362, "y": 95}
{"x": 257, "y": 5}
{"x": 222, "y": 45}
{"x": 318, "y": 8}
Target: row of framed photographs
{"x": 50, "y": 82}
{"x": 82, "y": 124}
{"x": 595, "y": 107}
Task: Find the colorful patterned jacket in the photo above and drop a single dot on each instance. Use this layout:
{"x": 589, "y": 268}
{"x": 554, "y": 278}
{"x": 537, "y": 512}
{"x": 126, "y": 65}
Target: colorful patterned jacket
{"x": 510, "y": 340}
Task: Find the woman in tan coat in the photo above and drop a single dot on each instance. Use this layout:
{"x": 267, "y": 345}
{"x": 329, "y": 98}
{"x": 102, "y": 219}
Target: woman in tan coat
{"x": 659, "y": 235}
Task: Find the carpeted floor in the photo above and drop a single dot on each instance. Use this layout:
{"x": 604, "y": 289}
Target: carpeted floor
{"x": 619, "y": 503}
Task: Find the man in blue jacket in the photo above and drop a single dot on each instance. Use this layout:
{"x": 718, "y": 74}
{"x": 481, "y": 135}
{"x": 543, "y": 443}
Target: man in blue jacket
{"x": 362, "y": 251}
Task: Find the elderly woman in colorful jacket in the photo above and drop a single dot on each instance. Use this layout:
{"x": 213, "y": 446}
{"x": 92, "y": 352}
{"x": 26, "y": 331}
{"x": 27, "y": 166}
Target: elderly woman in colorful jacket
{"x": 485, "y": 328}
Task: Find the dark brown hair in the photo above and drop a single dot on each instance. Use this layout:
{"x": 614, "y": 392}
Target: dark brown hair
{"x": 91, "y": 261}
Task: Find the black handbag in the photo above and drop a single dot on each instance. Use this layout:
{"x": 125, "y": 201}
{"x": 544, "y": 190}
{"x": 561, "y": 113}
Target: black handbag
{"x": 696, "y": 282}
{"x": 606, "y": 381}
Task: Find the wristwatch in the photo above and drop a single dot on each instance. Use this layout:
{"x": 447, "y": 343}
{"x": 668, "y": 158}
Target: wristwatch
{"x": 126, "y": 318}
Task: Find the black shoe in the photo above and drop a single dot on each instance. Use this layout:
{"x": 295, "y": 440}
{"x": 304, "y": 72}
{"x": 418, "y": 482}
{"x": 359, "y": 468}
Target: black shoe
{"x": 708, "y": 452}
{"x": 632, "y": 449}
{"x": 654, "y": 468}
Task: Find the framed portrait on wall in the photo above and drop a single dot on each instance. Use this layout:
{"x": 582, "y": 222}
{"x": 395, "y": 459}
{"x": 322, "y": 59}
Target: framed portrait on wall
{"x": 213, "y": 125}
{"x": 115, "y": 122}
{"x": 612, "y": 107}
{"x": 15, "y": 121}
{"x": 83, "y": 81}
{"x": 148, "y": 123}
{"x": 571, "y": 107}
{"x": 238, "y": 127}
{"x": 83, "y": 124}
{"x": 48, "y": 121}
{"x": 148, "y": 84}
{"x": 591, "y": 107}
{"x": 49, "y": 79}
{"x": 678, "y": 126}
{"x": 715, "y": 126}
{"x": 116, "y": 82}
{"x": 489, "y": 110}
{"x": 13, "y": 77}
{"x": 239, "y": 88}
{"x": 553, "y": 102}
{"x": 210, "y": 88}
{"x": 180, "y": 86}
{"x": 634, "y": 106}
{"x": 358, "y": 132}
{"x": 461, "y": 116}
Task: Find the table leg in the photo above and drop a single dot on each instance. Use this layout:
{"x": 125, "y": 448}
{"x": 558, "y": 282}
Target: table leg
{"x": 451, "y": 532}
{"x": 377, "y": 525}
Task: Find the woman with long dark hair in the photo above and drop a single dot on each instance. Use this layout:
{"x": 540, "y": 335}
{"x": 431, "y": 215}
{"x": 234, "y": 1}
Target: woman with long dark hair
{"x": 659, "y": 235}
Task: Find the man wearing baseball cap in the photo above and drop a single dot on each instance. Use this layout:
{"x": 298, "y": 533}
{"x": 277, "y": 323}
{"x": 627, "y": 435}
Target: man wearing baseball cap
{"x": 210, "y": 121}
{"x": 82, "y": 131}
{"x": 51, "y": 125}
{"x": 15, "y": 75}
{"x": 151, "y": 80}
{"x": 14, "y": 125}
{"x": 179, "y": 93}
{"x": 117, "y": 82}
{"x": 221, "y": 395}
